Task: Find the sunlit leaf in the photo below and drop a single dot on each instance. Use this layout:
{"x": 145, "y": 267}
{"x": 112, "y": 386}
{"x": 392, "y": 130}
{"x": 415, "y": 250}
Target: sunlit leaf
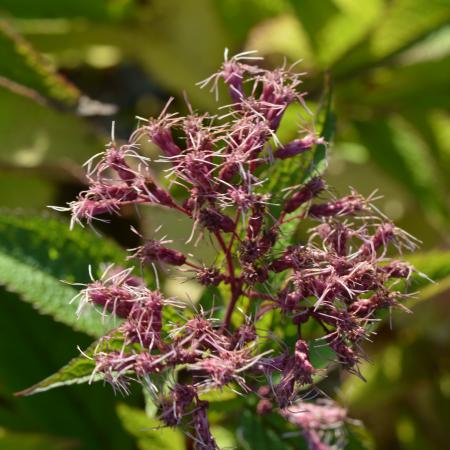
{"x": 435, "y": 265}
{"x": 336, "y": 25}
{"x": 149, "y": 432}
{"x": 402, "y": 24}
{"x": 282, "y": 35}
{"x": 239, "y": 16}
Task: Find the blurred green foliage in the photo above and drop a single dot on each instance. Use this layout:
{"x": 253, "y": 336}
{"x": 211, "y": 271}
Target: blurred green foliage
{"x": 67, "y": 69}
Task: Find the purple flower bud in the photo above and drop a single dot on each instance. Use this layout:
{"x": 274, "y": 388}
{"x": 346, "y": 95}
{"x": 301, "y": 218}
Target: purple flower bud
{"x": 145, "y": 364}
{"x": 228, "y": 171}
{"x": 162, "y": 137}
{"x": 345, "y": 206}
{"x": 398, "y": 269}
{"x": 116, "y": 292}
{"x": 153, "y": 251}
{"x": 297, "y": 370}
{"x": 256, "y": 220}
{"x": 289, "y": 301}
{"x": 115, "y": 158}
{"x": 243, "y": 335}
{"x": 268, "y": 240}
{"x": 346, "y": 355}
{"x": 381, "y": 238}
{"x": 264, "y": 407}
{"x": 295, "y": 257}
{"x": 335, "y": 237}
{"x": 213, "y": 220}
{"x": 249, "y": 251}
{"x": 144, "y": 321}
{"x": 306, "y": 193}
{"x": 209, "y": 276}
{"x": 159, "y": 194}
{"x": 220, "y": 370}
{"x": 253, "y": 274}
{"x": 87, "y": 209}
{"x": 233, "y": 74}
{"x": 298, "y": 146}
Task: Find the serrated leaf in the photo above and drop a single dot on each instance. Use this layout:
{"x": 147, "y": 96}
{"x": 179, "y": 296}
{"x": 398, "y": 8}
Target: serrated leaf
{"x": 26, "y": 72}
{"x": 47, "y": 295}
{"x": 36, "y": 253}
{"x": 77, "y": 371}
{"x": 24, "y": 67}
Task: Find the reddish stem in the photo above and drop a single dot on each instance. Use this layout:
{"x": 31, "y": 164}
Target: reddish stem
{"x": 234, "y": 284}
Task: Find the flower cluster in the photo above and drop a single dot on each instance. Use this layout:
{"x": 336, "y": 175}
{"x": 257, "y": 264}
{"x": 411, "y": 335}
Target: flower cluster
{"x": 321, "y": 423}
{"x": 336, "y": 280}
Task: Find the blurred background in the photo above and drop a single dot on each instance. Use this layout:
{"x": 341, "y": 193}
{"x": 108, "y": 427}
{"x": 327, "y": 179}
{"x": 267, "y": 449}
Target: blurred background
{"x": 68, "y": 69}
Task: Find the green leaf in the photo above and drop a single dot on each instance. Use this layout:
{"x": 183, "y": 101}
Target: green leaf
{"x": 179, "y": 55}
{"x": 241, "y": 16}
{"x": 402, "y": 24}
{"x": 254, "y": 434}
{"x": 400, "y": 88}
{"x": 98, "y": 10}
{"x": 397, "y": 149}
{"x": 32, "y": 346}
{"x": 36, "y": 253}
{"x": 334, "y": 26}
{"x": 78, "y": 370}
{"x": 25, "y": 68}
{"x": 359, "y": 438}
{"x": 51, "y": 149}
{"x": 33, "y": 441}
{"x": 282, "y": 35}
{"x": 434, "y": 264}
{"x": 149, "y": 431}
{"x": 30, "y": 74}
